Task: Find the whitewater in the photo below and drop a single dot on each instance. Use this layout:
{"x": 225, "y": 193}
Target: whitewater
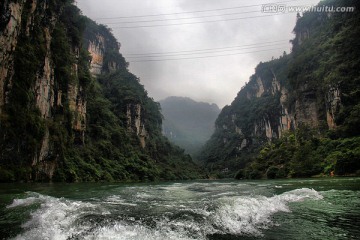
{"x": 284, "y": 209}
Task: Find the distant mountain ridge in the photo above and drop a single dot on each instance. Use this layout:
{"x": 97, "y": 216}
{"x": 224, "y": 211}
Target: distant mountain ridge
{"x": 188, "y": 123}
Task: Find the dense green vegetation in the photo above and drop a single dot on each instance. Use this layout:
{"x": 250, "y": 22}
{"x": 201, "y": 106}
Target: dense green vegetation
{"x": 248, "y": 140}
{"x": 223, "y": 154}
{"x": 21, "y": 127}
{"x": 107, "y": 149}
{"x": 304, "y": 154}
{"x": 188, "y": 123}
{"x": 330, "y": 58}
{"x": 110, "y": 152}
{"x": 325, "y": 56}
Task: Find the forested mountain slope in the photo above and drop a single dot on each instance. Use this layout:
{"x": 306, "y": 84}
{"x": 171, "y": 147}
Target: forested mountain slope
{"x": 69, "y": 108}
{"x": 298, "y": 115}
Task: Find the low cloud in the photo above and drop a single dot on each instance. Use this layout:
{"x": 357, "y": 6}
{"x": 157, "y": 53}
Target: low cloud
{"x": 203, "y": 78}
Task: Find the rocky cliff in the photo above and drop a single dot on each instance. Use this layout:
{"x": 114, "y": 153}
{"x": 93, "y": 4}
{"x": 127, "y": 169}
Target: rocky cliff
{"x": 69, "y": 108}
{"x": 308, "y": 88}
{"x": 10, "y": 29}
{"x": 20, "y": 26}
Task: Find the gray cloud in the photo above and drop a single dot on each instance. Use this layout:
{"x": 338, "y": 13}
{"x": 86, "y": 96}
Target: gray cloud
{"x": 215, "y": 79}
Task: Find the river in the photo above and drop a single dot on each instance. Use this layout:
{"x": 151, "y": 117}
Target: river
{"x": 279, "y": 209}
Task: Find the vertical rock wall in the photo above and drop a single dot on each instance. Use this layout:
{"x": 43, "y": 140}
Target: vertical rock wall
{"x": 304, "y": 110}
{"x": 135, "y": 122}
{"x": 333, "y": 103}
{"x": 46, "y": 96}
{"x": 97, "y": 51}
{"x": 11, "y": 18}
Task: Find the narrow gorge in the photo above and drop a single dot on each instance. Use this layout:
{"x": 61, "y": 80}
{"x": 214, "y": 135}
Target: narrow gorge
{"x": 298, "y": 114}
{"x": 70, "y": 110}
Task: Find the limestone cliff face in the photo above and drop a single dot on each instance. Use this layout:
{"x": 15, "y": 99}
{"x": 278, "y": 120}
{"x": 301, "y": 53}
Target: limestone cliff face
{"x": 60, "y": 98}
{"x": 96, "y": 49}
{"x": 287, "y": 120}
{"x": 43, "y": 89}
{"x": 21, "y": 18}
{"x": 102, "y": 46}
{"x": 44, "y": 99}
{"x": 264, "y": 110}
{"x": 101, "y": 63}
{"x": 135, "y": 122}
{"x": 312, "y": 89}
{"x": 77, "y": 105}
{"x": 333, "y": 104}
{"x": 305, "y": 108}
{"x": 270, "y": 124}
{"x": 70, "y": 109}
{"x": 9, "y": 32}
{"x": 286, "y": 116}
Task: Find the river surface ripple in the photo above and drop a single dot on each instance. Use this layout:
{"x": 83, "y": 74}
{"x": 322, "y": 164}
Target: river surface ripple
{"x": 279, "y": 209}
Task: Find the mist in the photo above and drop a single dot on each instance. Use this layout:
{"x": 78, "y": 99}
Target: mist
{"x": 203, "y": 49}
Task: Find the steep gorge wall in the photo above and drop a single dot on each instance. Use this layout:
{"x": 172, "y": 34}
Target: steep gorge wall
{"x": 260, "y": 112}
{"x": 36, "y": 20}
{"x": 263, "y": 111}
{"x": 314, "y": 86}
{"x": 303, "y": 110}
{"x": 10, "y": 30}
{"x": 97, "y": 45}
{"x": 135, "y": 122}
{"x": 32, "y": 19}
{"x": 70, "y": 110}
{"x": 97, "y": 51}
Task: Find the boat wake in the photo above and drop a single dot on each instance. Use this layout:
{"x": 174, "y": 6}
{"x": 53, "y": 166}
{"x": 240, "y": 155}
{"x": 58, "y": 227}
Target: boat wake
{"x": 60, "y": 218}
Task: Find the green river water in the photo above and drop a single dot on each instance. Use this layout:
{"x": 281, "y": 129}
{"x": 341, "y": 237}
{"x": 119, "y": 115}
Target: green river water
{"x": 280, "y": 209}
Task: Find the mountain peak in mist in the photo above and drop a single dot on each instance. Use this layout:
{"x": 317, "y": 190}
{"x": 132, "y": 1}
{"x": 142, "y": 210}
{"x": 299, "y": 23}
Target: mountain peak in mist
{"x": 187, "y": 122}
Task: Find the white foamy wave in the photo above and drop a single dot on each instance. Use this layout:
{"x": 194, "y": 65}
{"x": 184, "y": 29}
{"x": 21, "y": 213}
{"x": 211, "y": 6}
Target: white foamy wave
{"x": 54, "y": 219}
{"x": 32, "y": 198}
{"x": 59, "y": 218}
{"x": 250, "y": 214}
{"x": 23, "y": 202}
{"x": 165, "y": 229}
{"x": 301, "y": 194}
{"x": 117, "y": 200}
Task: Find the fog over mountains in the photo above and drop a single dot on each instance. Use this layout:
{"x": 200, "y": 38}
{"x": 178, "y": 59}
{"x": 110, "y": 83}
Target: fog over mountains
{"x": 188, "y": 123}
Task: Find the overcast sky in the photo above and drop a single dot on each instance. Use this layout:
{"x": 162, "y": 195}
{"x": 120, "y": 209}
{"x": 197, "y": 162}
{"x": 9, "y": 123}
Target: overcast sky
{"x": 180, "y": 33}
